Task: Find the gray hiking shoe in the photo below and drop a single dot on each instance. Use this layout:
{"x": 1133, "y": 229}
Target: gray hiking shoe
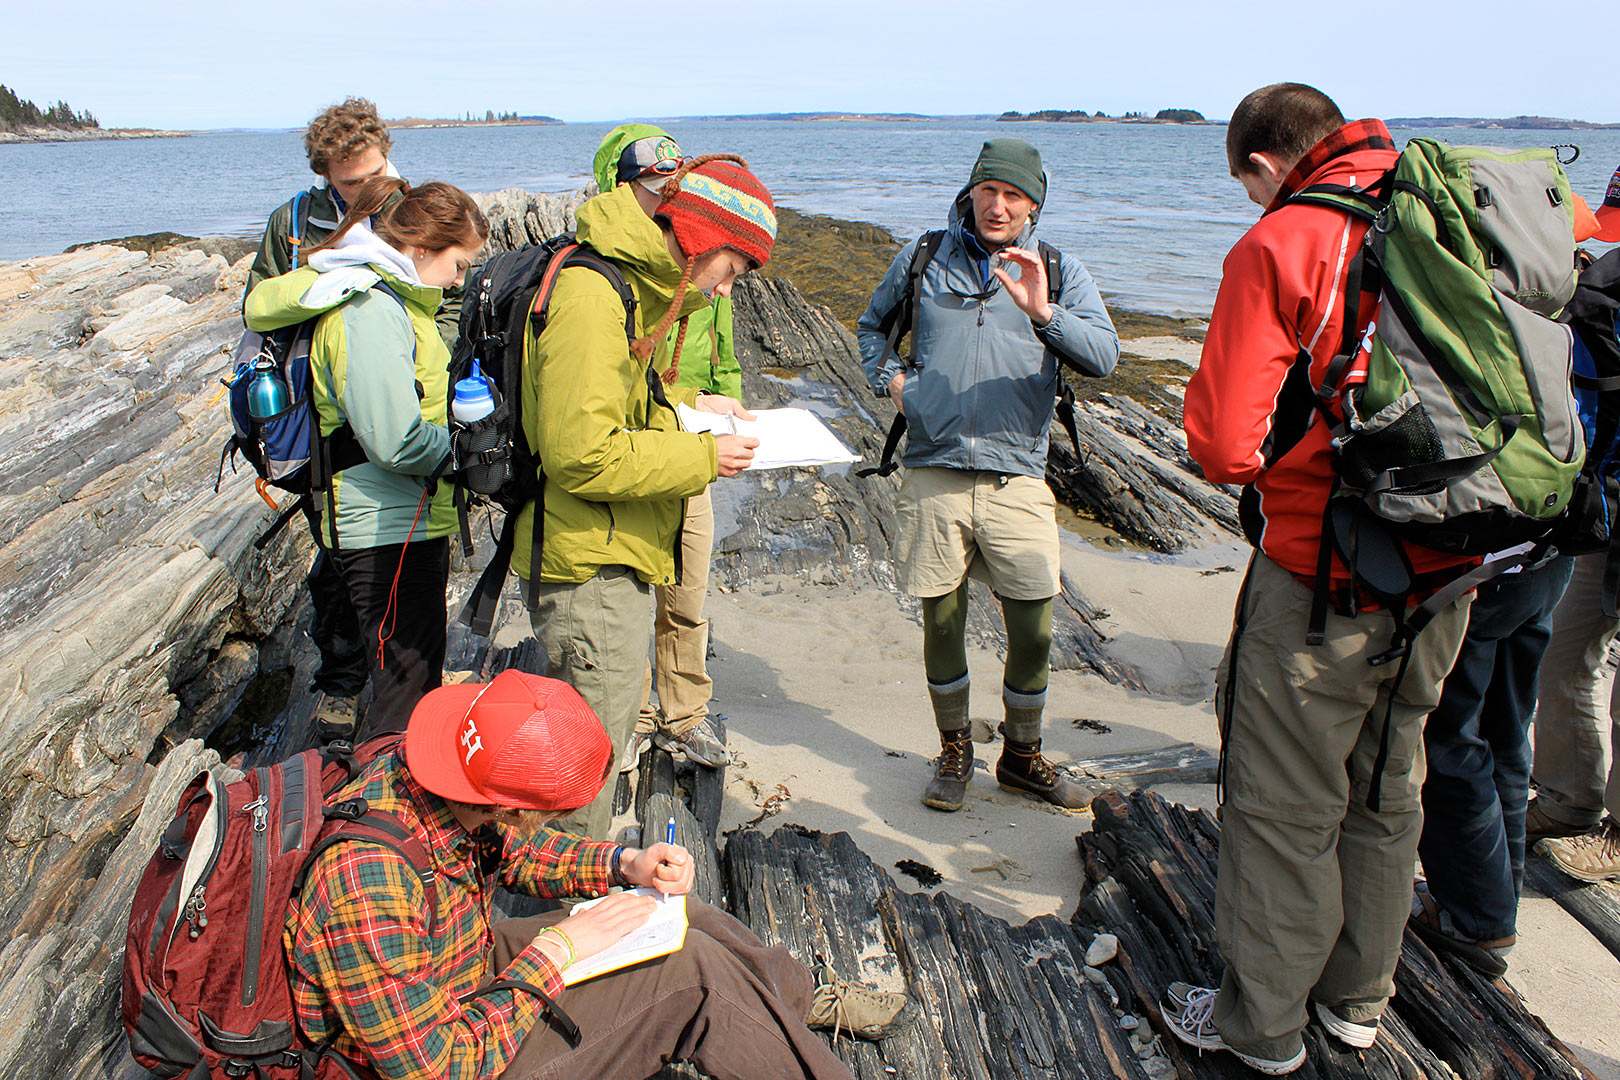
{"x": 702, "y": 744}
{"x": 862, "y": 1011}
{"x": 1190, "y": 1021}
{"x": 335, "y": 720}
{"x": 633, "y": 749}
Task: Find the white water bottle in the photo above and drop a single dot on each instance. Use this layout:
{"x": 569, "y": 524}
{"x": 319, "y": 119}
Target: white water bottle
{"x": 473, "y": 400}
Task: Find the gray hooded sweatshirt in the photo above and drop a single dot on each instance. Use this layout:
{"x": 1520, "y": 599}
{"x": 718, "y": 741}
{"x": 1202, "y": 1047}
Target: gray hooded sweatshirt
{"x": 980, "y": 394}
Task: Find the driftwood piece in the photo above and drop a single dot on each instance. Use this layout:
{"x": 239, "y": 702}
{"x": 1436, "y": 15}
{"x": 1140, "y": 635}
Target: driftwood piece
{"x": 1150, "y": 870}
{"x": 1594, "y": 906}
{"x": 997, "y": 1001}
{"x": 1179, "y": 763}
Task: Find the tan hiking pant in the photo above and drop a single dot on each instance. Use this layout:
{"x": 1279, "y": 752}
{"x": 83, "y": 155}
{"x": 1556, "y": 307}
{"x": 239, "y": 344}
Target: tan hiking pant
{"x": 1314, "y": 887}
{"x": 680, "y": 632}
{"x": 727, "y": 1002}
{"x": 1575, "y": 778}
{"x": 594, "y": 637}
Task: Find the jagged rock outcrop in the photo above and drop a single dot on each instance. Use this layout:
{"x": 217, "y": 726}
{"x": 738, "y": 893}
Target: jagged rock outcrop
{"x": 134, "y": 613}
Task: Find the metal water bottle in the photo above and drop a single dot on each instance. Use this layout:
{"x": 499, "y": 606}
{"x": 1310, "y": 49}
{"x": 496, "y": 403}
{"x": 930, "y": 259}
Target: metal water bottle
{"x": 267, "y": 394}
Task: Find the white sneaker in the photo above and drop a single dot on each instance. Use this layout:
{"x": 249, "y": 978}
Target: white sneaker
{"x": 1190, "y": 1022}
{"x": 1357, "y": 1033}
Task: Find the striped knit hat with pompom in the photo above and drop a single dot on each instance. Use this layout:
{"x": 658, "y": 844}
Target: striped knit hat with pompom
{"x": 713, "y": 202}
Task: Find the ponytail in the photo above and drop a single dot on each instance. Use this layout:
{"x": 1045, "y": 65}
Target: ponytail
{"x": 373, "y": 195}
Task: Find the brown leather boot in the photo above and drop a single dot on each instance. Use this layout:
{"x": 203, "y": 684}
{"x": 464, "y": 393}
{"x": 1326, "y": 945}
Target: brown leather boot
{"x": 952, "y": 770}
{"x": 1023, "y": 768}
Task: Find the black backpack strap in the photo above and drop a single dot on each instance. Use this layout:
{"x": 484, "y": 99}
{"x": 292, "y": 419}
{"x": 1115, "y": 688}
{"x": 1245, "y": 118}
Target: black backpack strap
{"x": 899, "y": 322}
{"x": 479, "y": 612}
{"x": 1053, "y": 258}
{"x": 295, "y": 507}
{"x": 554, "y": 1014}
{"x": 1066, "y": 417}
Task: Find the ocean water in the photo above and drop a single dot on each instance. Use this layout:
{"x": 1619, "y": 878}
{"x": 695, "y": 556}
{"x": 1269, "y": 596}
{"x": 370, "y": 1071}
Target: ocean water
{"x": 1149, "y": 208}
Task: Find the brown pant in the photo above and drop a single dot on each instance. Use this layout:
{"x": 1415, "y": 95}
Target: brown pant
{"x": 726, "y": 1002}
{"x": 1314, "y": 886}
{"x": 681, "y": 633}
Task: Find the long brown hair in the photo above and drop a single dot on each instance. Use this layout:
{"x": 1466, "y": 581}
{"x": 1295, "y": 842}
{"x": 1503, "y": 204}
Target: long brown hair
{"x": 434, "y": 216}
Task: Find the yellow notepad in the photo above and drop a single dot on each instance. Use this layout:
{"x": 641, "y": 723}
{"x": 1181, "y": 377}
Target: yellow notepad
{"x": 664, "y": 932}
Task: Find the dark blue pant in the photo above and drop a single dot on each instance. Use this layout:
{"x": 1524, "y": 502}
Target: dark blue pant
{"x": 1477, "y": 741}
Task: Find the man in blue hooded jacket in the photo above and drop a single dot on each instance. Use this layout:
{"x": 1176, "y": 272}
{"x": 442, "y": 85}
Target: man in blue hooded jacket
{"x": 977, "y": 396}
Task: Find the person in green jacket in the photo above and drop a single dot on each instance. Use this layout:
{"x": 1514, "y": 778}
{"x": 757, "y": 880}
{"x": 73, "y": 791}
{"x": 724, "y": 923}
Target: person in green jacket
{"x": 618, "y": 468}
{"x": 643, "y": 158}
{"x": 380, "y": 369}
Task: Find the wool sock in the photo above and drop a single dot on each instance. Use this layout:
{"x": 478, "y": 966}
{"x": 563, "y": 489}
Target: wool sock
{"x": 950, "y": 703}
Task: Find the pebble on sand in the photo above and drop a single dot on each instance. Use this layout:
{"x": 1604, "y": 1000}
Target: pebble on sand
{"x": 1103, "y": 948}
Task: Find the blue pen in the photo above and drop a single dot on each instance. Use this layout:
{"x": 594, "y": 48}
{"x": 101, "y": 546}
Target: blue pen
{"x": 669, "y": 835}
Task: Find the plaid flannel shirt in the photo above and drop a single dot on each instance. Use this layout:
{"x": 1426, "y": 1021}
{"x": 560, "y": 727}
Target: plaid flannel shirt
{"x": 403, "y": 998}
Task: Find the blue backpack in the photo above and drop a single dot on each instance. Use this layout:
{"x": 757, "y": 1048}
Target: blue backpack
{"x": 1590, "y": 525}
{"x": 286, "y": 449}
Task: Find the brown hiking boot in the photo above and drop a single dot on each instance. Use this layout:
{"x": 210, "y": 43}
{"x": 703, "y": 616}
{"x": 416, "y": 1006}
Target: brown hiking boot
{"x": 952, "y": 771}
{"x": 1022, "y": 767}
{"x": 1540, "y": 825}
{"x": 1592, "y": 857}
{"x": 862, "y": 1011}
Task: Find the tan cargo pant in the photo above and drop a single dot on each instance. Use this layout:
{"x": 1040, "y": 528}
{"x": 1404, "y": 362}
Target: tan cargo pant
{"x": 1314, "y": 888}
{"x": 727, "y": 1002}
{"x": 1575, "y": 778}
{"x": 594, "y": 637}
{"x": 680, "y": 632}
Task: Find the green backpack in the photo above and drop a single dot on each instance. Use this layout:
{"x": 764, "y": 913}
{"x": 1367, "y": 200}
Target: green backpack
{"x": 1464, "y": 435}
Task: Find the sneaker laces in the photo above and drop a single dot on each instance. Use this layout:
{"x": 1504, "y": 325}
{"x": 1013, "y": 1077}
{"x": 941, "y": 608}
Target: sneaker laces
{"x": 830, "y": 988}
{"x": 1197, "y": 1017}
{"x": 1602, "y": 843}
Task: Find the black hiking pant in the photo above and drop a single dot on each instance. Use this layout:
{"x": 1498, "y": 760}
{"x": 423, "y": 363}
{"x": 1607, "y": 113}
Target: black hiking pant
{"x": 402, "y": 625}
{"x": 333, "y": 625}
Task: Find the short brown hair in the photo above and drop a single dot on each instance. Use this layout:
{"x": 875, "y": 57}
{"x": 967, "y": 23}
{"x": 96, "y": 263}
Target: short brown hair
{"x": 1283, "y": 119}
{"x": 434, "y": 215}
{"x": 343, "y": 131}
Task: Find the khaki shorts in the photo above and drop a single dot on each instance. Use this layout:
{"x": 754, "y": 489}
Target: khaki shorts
{"x": 1000, "y": 529}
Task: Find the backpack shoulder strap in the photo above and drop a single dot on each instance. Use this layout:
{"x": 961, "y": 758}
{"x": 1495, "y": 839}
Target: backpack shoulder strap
{"x": 577, "y": 254}
{"x": 298, "y": 225}
{"x": 360, "y": 822}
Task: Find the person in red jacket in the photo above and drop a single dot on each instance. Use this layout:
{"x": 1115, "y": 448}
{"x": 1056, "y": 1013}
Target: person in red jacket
{"x": 1314, "y": 885}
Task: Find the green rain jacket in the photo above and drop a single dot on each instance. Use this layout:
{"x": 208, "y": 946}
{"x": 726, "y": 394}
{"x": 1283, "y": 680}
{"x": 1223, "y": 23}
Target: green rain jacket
{"x": 383, "y": 370}
{"x": 708, "y": 360}
{"x": 618, "y": 467}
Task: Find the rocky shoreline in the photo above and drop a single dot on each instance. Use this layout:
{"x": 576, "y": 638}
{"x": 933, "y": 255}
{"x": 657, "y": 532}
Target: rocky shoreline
{"x": 50, "y": 135}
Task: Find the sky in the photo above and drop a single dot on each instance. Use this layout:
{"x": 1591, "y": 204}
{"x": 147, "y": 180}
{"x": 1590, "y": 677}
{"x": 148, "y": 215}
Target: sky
{"x": 184, "y": 64}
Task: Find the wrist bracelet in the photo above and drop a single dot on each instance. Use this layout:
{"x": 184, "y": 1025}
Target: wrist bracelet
{"x": 562, "y": 936}
{"x": 616, "y": 872}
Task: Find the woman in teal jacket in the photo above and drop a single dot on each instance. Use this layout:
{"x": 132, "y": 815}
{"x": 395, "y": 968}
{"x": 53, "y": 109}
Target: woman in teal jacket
{"x": 380, "y": 367}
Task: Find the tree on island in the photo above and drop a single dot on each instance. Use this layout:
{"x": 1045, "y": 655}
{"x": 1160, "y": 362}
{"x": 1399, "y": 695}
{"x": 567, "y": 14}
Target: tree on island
{"x": 1181, "y": 116}
{"x": 18, "y": 113}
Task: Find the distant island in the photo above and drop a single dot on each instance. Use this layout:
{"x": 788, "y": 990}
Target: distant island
{"x": 1519, "y": 123}
{"x": 1080, "y": 116}
{"x": 491, "y": 118}
{"x": 901, "y": 118}
{"x": 23, "y": 121}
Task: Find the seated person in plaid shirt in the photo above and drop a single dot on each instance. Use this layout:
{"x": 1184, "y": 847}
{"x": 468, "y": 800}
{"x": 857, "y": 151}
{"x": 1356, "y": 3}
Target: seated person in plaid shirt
{"x": 481, "y": 770}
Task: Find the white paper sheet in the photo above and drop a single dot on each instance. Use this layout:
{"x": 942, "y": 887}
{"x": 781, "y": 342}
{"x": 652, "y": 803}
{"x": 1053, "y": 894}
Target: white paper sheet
{"x": 787, "y": 437}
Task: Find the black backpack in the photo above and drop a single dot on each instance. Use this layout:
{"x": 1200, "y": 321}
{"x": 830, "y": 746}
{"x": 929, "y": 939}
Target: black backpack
{"x": 1589, "y": 525}
{"x": 902, "y": 318}
{"x": 491, "y": 457}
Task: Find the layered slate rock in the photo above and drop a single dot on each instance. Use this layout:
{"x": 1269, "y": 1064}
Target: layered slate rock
{"x": 1150, "y": 870}
{"x": 134, "y": 612}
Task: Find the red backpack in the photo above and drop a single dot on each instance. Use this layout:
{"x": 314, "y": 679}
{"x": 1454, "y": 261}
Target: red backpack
{"x": 205, "y": 976}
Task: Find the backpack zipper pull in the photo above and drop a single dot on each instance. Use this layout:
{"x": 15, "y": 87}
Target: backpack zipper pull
{"x": 197, "y": 911}
{"x": 260, "y": 809}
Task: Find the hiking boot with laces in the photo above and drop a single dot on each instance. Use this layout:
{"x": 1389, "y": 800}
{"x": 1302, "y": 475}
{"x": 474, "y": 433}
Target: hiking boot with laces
{"x": 1592, "y": 857}
{"x": 1022, "y": 767}
{"x": 634, "y": 747}
{"x": 1189, "y": 1018}
{"x": 952, "y": 771}
{"x": 702, "y": 744}
{"x": 1540, "y": 825}
{"x": 862, "y": 1011}
{"x": 335, "y": 720}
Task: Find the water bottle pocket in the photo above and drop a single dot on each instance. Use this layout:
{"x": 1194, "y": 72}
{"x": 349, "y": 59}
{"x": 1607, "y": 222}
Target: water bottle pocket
{"x": 481, "y": 452}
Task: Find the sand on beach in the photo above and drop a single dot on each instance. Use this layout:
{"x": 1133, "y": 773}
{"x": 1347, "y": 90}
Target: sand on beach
{"x": 825, "y": 698}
